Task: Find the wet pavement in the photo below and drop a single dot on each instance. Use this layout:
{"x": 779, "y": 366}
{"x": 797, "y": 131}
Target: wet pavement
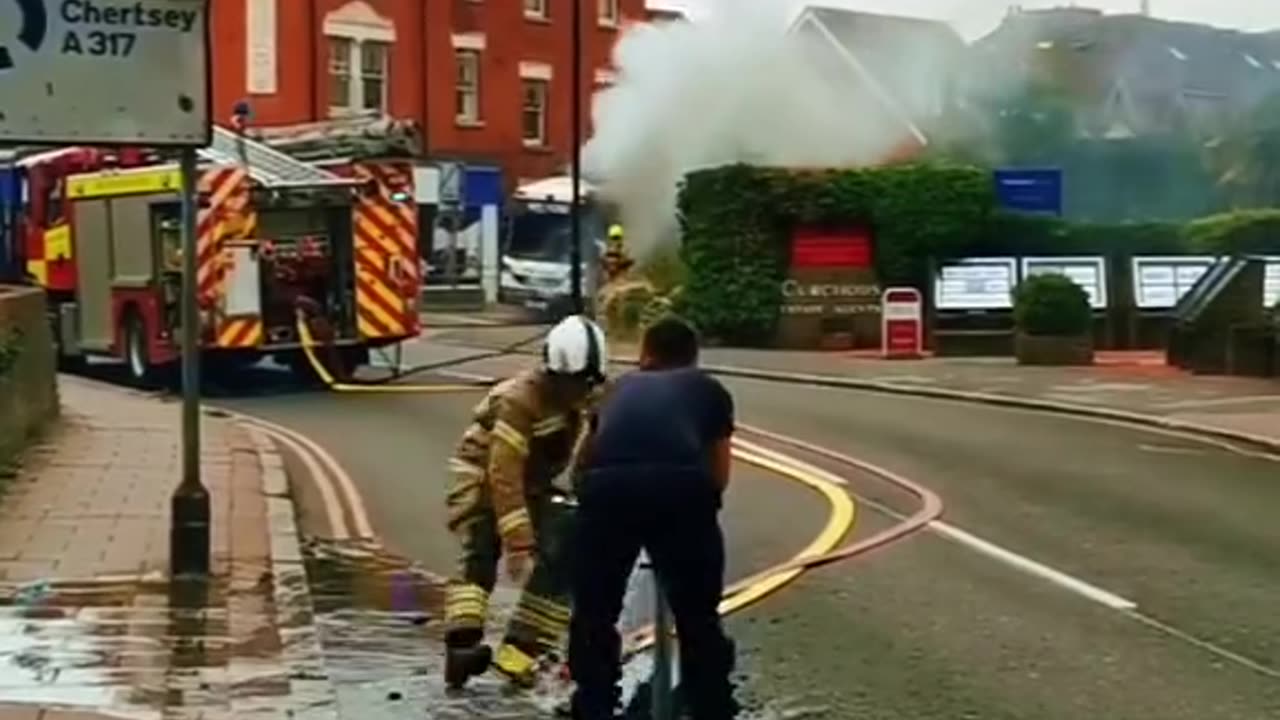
{"x": 131, "y": 650}
{"x": 378, "y": 619}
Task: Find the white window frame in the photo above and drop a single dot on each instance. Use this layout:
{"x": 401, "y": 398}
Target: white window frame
{"x": 476, "y": 116}
{"x": 545, "y": 83}
{"x": 608, "y": 13}
{"x": 539, "y": 11}
{"x": 384, "y": 77}
{"x": 335, "y": 62}
{"x": 358, "y": 23}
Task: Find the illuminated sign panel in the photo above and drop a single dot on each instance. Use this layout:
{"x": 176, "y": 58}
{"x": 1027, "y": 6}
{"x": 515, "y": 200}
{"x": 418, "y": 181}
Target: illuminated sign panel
{"x": 976, "y": 284}
{"x": 1160, "y": 282}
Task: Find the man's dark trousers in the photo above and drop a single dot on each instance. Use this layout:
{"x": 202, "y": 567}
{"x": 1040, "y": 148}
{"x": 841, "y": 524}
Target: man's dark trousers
{"x": 671, "y": 513}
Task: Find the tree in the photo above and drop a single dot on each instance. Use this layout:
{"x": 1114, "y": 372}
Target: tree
{"x": 1246, "y": 161}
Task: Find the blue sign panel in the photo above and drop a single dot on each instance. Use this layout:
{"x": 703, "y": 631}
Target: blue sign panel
{"x": 1031, "y": 191}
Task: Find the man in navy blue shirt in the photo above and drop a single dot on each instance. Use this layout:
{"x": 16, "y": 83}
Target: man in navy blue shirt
{"x": 651, "y": 476}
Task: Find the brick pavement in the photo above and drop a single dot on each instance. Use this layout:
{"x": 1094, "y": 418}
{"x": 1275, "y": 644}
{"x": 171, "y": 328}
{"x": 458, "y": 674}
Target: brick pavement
{"x": 87, "y": 513}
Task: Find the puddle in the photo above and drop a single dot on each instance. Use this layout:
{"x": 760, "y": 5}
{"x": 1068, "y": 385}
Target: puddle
{"x": 128, "y": 649}
{"x": 369, "y": 645}
{"x": 379, "y": 623}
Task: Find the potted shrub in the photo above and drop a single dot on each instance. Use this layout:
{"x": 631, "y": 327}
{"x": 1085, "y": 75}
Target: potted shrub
{"x": 1054, "y": 322}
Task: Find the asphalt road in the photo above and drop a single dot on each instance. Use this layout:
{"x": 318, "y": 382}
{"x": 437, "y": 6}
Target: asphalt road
{"x": 929, "y": 627}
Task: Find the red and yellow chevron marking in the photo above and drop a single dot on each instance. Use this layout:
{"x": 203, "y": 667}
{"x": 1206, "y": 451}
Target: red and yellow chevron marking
{"x": 386, "y": 242}
{"x": 227, "y": 215}
{"x": 245, "y": 332}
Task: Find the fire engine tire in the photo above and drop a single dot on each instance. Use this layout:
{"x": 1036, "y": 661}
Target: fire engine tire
{"x": 137, "y": 358}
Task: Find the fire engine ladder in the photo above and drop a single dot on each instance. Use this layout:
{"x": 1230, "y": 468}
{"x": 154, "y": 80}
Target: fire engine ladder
{"x": 267, "y": 166}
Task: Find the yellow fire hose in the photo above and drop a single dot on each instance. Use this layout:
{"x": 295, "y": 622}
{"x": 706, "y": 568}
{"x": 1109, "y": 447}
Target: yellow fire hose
{"x": 308, "y": 348}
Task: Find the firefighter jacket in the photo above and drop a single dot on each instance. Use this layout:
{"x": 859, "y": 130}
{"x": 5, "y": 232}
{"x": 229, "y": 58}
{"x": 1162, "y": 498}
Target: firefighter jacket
{"x": 523, "y": 442}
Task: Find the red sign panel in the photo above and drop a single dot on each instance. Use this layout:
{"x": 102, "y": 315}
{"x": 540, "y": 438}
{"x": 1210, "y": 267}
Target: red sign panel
{"x": 815, "y": 248}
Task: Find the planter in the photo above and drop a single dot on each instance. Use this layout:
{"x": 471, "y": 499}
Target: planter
{"x": 1053, "y": 349}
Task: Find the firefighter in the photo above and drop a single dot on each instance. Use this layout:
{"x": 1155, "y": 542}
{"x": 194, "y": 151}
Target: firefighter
{"x": 652, "y": 476}
{"x": 615, "y": 262}
{"x": 503, "y": 503}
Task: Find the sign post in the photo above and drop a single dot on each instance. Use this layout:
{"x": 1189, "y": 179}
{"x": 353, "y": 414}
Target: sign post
{"x": 902, "y": 327}
{"x": 451, "y": 203}
{"x": 61, "y": 65}
{"x": 189, "y": 521}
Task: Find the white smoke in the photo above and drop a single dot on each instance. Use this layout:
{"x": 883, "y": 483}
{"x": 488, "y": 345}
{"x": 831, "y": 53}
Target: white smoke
{"x": 734, "y": 86}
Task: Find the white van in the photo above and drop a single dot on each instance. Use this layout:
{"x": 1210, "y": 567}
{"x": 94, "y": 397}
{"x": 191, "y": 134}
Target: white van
{"x": 535, "y": 269}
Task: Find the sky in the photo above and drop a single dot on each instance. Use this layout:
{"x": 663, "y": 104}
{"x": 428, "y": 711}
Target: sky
{"x": 973, "y": 18}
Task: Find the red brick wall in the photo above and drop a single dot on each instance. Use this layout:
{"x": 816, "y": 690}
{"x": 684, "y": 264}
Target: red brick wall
{"x": 302, "y": 85}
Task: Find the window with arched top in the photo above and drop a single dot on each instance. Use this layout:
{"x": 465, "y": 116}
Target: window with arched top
{"x": 359, "y": 55}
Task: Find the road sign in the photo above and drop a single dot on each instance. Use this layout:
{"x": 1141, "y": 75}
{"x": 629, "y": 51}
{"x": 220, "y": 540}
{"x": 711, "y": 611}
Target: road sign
{"x": 902, "y": 323}
{"x": 1032, "y": 191}
{"x": 451, "y": 179}
{"x": 104, "y": 71}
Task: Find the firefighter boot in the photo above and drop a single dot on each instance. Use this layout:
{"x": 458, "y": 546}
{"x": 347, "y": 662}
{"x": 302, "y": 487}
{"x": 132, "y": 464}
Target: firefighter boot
{"x": 465, "y": 657}
{"x": 517, "y": 665}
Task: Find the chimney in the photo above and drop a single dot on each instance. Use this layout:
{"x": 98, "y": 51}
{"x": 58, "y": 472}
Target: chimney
{"x": 1146, "y": 8}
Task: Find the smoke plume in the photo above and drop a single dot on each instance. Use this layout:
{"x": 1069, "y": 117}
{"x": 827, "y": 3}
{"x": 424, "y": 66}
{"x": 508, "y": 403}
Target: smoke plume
{"x": 733, "y": 87}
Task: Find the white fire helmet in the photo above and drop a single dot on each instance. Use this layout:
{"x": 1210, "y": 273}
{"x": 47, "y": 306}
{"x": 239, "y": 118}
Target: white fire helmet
{"x": 576, "y": 346}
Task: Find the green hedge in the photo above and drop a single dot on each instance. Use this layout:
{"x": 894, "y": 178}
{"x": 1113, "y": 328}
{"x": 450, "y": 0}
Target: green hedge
{"x": 1246, "y": 231}
{"x": 737, "y": 223}
{"x": 1051, "y": 305}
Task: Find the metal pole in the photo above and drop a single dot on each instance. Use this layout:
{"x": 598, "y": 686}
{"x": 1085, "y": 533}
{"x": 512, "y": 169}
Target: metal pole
{"x": 575, "y": 236}
{"x": 189, "y": 520}
{"x": 660, "y": 685}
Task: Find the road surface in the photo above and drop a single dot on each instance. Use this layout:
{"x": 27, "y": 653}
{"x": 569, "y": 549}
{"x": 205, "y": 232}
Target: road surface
{"x": 1084, "y": 570}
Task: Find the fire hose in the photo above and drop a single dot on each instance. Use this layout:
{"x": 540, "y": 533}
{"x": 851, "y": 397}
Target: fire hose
{"x": 742, "y": 593}
{"x": 391, "y": 384}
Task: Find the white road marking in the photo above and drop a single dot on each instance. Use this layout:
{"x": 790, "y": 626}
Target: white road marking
{"x": 1217, "y": 402}
{"x": 1031, "y": 567}
{"x": 1167, "y": 450}
{"x": 967, "y": 539}
{"x": 471, "y": 377}
{"x": 329, "y": 497}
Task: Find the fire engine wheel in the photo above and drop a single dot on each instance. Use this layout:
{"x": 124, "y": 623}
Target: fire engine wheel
{"x": 137, "y": 359}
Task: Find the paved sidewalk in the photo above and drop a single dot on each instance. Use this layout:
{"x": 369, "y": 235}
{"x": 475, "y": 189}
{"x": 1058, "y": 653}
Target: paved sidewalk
{"x": 88, "y": 619}
{"x": 1130, "y": 382}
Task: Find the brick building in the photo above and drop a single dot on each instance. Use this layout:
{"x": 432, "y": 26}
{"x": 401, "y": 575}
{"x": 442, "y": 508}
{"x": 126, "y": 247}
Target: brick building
{"x": 487, "y": 81}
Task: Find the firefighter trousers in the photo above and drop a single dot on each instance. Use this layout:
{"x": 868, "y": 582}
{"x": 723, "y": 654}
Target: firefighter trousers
{"x": 674, "y": 520}
{"x": 541, "y": 617}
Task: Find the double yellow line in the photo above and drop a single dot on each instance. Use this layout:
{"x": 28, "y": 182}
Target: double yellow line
{"x": 840, "y": 520}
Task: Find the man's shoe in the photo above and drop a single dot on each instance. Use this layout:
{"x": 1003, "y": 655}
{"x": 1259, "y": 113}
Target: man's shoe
{"x": 463, "y": 663}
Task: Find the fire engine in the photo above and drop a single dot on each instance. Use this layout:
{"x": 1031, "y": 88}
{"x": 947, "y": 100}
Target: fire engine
{"x": 103, "y": 237}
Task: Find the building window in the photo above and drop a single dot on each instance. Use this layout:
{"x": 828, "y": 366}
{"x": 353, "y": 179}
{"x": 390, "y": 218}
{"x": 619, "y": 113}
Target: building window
{"x": 607, "y": 12}
{"x": 357, "y": 75}
{"x": 468, "y": 86}
{"x": 340, "y": 73}
{"x": 535, "y": 9}
{"x": 534, "y": 112}
{"x": 373, "y": 76}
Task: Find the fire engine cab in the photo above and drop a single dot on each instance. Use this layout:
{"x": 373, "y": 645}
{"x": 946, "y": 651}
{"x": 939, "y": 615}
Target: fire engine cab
{"x": 103, "y": 236}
